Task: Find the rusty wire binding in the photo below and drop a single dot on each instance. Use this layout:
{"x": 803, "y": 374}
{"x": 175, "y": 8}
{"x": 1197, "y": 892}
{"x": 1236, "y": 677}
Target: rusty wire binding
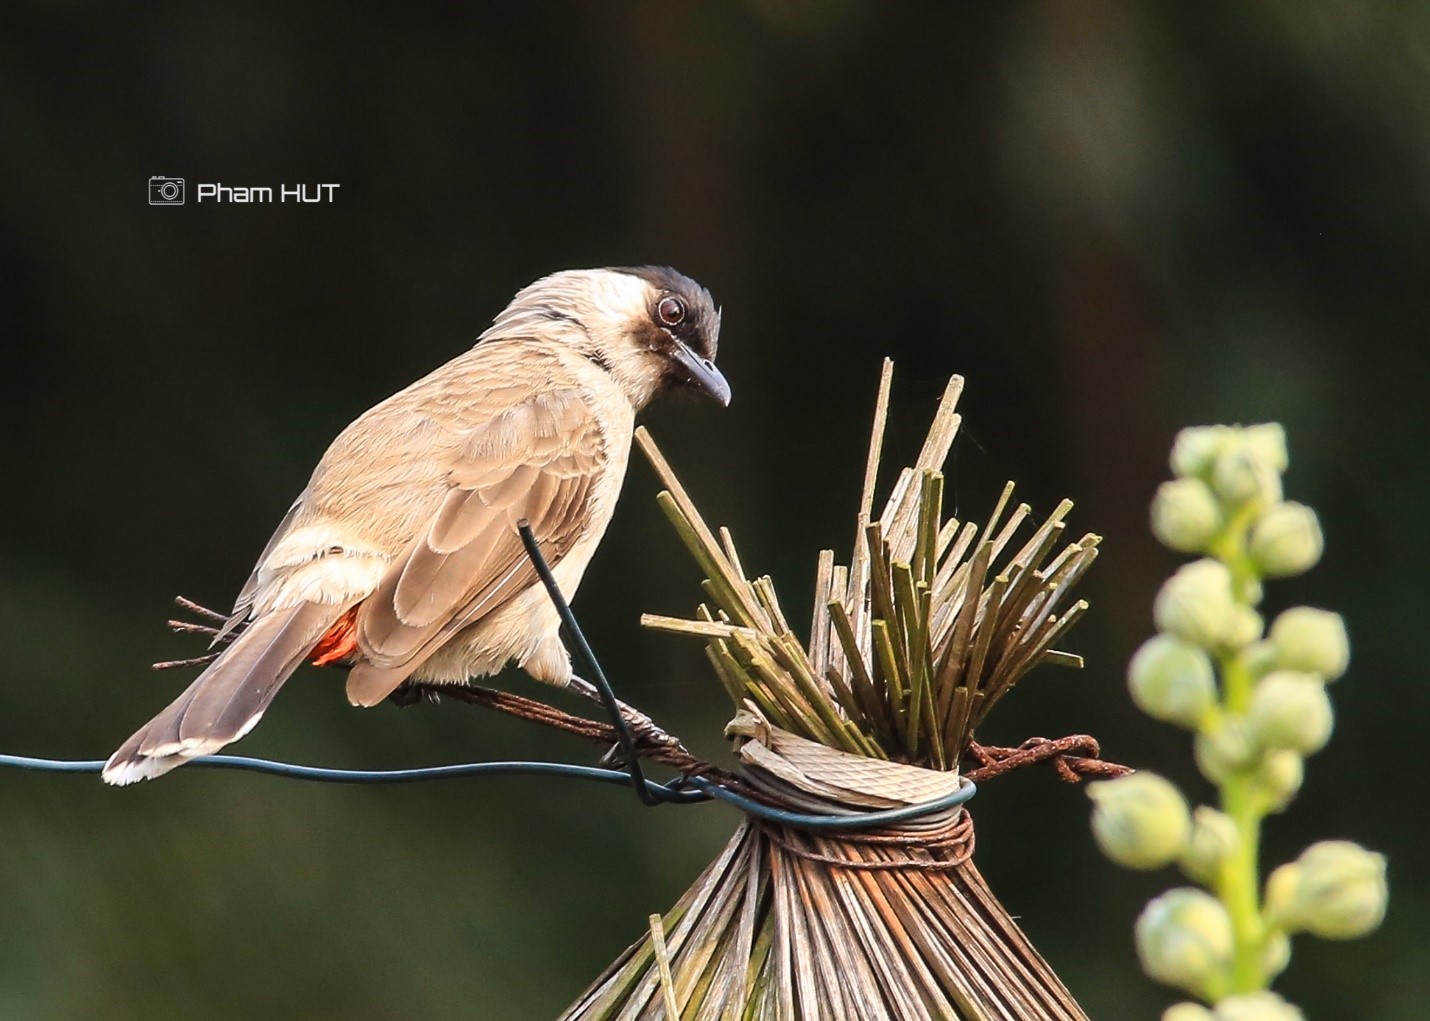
{"x": 912, "y": 643}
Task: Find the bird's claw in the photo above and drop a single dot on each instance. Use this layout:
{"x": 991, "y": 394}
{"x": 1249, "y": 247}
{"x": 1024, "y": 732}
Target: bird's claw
{"x": 406, "y": 694}
{"x": 645, "y": 732}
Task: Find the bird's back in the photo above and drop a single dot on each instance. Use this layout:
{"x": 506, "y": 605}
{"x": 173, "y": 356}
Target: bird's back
{"x": 384, "y": 477}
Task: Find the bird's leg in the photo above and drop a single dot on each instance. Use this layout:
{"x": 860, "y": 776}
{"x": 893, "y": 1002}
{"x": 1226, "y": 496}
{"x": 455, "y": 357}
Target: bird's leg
{"x": 407, "y": 693}
{"x": 644, "y": 730}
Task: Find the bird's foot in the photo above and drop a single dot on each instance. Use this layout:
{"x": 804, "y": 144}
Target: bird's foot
{"x": 406, "y": 694}
{"x": 645, "y": 732}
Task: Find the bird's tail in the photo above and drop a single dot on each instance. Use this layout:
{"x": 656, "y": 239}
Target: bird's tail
{"x": 228, "y": 698}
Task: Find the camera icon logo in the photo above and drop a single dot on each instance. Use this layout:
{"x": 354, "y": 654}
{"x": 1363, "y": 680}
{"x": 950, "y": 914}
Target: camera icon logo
{"x": 166, "y": 191}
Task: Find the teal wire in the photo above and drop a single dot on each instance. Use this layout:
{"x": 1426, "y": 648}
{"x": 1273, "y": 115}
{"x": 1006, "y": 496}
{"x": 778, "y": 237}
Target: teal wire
{"x": 685, "y": 790}
{"x": 839, "y": 820}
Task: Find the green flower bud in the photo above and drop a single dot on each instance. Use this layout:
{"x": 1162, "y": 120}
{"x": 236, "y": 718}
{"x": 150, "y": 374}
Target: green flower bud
{"x": 1268, "y": 443}
{"x": 1286, "y": 540}
{"x": 1275, "y": 954}
{"x": 1311, "y": 640}
{"x": 1187, "y": 1012}
{"x": 1196, "y": 603}
{"x": 1228, "y": 749}
{"x": 1194, "y": 450}
{"x": 1240, "y": 476}
{"x": 1259, "y": 658}
{"x": 1280, "y": 892}
{"x": 1140, "y": 820}
{"x": 1184, "y": 940}
{"x": 1172, "y": 680}
{"x": 1335, "y": 890}
{"x": 1213, "y": 841}
{"x": 1245, "y": 627}
{"x": 1280, "y": 775}
{"x": 1291, "y": 710}
{"x": 1185, "y": 515}
{"x": 1263, "y": 1006}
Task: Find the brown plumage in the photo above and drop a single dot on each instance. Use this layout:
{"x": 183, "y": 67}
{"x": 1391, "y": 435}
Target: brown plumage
{"x": 409, "y": 520}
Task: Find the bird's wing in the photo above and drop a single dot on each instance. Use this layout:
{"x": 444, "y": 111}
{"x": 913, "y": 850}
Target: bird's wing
{"x": 538, "y": 460}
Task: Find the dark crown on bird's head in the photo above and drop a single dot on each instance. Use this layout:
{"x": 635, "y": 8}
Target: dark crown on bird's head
{"x": 697, "y": 323}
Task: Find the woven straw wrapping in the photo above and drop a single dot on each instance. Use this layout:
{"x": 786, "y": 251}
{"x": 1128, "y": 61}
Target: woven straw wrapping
{"x": 767, "y": 932}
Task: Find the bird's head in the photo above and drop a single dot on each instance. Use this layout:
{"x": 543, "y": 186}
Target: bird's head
{"x": 650, "y": 327}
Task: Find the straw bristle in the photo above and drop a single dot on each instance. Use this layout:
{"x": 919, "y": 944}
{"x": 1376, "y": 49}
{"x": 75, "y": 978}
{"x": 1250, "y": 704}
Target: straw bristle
{"x": 931, "y": 627}
{"x": 931, "y": 623}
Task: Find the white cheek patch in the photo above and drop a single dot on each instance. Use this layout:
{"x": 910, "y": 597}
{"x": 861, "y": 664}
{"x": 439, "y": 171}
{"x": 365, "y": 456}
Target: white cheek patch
{"x": 637, "y": 370}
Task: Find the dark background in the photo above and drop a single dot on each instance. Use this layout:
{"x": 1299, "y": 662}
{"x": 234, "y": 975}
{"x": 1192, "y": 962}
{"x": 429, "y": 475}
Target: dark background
{"x": 1114, "y": 218}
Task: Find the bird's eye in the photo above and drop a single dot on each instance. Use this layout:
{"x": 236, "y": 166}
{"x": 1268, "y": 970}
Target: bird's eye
{"x": 671, "y": 311}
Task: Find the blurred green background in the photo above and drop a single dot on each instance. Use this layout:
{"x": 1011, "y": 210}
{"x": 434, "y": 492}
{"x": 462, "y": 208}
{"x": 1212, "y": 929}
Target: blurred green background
{"x": 1114, "y": 218}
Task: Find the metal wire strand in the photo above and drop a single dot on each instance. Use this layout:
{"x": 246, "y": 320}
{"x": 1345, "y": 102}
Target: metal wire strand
{"x": 642, "y": 788}
{"x": 682, "y": 790}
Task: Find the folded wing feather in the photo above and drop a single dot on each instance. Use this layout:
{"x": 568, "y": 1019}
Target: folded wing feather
{"x": 536, "y": 461}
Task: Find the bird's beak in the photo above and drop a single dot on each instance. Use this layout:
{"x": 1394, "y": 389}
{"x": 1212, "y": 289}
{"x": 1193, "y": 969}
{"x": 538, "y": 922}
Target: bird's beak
{"x": 703, "y": 373}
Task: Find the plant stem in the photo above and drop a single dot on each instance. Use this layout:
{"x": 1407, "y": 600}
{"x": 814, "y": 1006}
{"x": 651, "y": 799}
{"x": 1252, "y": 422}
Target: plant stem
{"x": 1230, "y": 549}
{"x": 1239, "y": 883}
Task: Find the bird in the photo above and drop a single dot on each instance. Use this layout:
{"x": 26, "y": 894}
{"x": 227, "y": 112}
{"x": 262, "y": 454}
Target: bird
{"x": 401, "y": 558}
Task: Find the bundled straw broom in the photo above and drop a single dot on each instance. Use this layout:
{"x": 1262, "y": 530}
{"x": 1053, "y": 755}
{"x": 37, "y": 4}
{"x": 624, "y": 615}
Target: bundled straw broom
{"x": 912, "y": 643}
